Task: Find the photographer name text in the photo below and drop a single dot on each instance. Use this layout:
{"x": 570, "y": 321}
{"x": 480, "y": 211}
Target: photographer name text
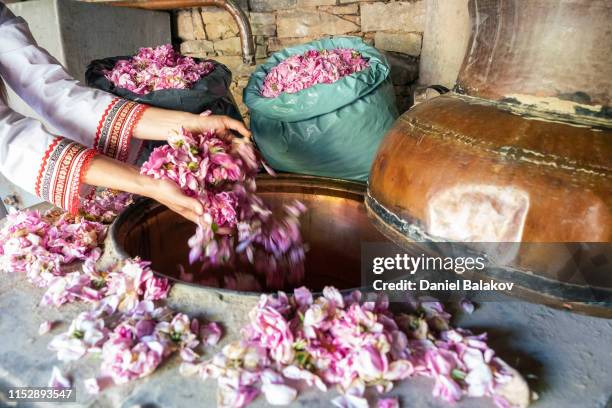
{"x": 447, "y": 285}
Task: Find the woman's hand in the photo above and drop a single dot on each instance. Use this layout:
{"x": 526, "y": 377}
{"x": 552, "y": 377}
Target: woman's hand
{"x": 106, "y": 172}
{"x": 157, "y": 124}
{"x": 221, "y": 124}
{"x": 170, "y": 195}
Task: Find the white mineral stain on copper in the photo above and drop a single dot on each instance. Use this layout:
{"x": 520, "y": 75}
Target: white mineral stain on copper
{"x": 478, "y": 213}
{"x": 554, "y": 104}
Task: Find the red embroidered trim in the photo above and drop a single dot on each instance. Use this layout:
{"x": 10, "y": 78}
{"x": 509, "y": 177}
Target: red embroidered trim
{"x": 118, "y": 131}
{"x": 103, "y": 120}
{"x": 126, "y": 136}
{"x": 61, "y": 174}
{"x": 116, "y": 127}
{"x": 81, "y": 167}
{"x": 61, "y": 188}
{"x": 43, "y": 164}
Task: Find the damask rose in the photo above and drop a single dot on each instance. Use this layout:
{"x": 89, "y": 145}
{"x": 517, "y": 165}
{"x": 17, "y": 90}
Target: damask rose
{"x": 299, "y": 72}
{"x": 153, "y": 69}
{"x": 105, "y": 205}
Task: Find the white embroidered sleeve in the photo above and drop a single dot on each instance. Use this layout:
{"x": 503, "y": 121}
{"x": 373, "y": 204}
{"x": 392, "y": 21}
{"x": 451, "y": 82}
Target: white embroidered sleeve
{"x": 49, "y": 166}
{"x": 91, "y": 117}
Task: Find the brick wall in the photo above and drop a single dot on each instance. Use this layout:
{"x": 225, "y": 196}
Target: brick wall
{"x": 395, "y": 27}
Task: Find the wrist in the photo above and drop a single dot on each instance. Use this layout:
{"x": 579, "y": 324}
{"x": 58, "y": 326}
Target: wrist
{"x": 145, "y": 185}
{"x": 189, "y": 121}
{"x": 156, "y": 123}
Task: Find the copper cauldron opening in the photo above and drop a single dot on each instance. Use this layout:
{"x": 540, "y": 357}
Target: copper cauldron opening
{"x": 334, "y": 227}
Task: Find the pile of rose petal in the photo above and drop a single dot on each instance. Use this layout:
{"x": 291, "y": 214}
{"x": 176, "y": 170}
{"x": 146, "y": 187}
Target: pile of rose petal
{"x": 313, "y": 67}
{"x": 43, "y": 244}
{"x": 40, "y": 245}
{"x": 338, "y": 341}
{"x": 237, "y": 230}
{"x": 104, "y": 205}
{"x": 153, "y": 69}
{"x": 125, "y": 327}
{"x": 130, "y": 333}
{"x": 352, "y": 344}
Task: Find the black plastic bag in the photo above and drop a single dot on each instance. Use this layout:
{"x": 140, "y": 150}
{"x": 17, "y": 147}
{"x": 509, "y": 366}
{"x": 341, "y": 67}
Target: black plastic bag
{"x": 211, "y": 92}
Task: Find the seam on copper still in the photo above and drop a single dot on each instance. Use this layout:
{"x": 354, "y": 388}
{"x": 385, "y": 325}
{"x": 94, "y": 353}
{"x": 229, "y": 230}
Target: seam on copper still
{"x": 520, "y": 154}
{"x": 536, "y": 112}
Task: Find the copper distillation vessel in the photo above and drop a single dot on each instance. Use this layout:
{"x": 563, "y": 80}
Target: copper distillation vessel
{"x": 520, "y": 152}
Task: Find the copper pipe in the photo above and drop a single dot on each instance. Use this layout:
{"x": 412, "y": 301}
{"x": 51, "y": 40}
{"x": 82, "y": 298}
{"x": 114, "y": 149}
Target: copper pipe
{"x": 244, "y": 27}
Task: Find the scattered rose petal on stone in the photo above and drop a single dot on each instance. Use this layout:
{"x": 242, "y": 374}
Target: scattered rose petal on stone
{"x": 279, "y": 394}
{"x": 59, "y": 380}
{"x": 45, "y": 327}
{"x": 388, "y": 403}
{"x": 467, "y": 306}
{"x": 211, "y": 333}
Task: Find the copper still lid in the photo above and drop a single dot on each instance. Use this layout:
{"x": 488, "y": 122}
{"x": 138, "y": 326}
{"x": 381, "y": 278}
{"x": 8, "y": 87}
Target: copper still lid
{"x": 521, "y": 151}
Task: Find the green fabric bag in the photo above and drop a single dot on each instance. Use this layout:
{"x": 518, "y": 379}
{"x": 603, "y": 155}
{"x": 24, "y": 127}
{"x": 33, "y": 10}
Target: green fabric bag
{"x": 330, "y": 130}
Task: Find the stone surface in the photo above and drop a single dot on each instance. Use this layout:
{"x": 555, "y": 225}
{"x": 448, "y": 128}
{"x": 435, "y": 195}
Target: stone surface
{"x": 219, "y": 23}
{"x": 343, "y": 9}
{"x": 352, "y": 18}
{"x": 232, "y": 62}
{"x": 197, "y": 48}
{"x": 567, "y": 355}
{"x": 304, "y": 23}
{"x": 443, "y": 50}
{"x": 404, "y": 69}
{"x": 403, "y": 97}
{"x": 261, "y": 47}
{"x": 270, "y": 5}
{"x": 406, "y": 43}
{"x": 262, "y": 18}
{"x": 236, "y": 90}
{"x": 184, "y": 25}
{"x": 393, "y": 16}
{"x": 368, "y": 38}
{"x": 263, "y": 24}
{"x": 239, "y": 69}
{"x": 199, "y": 33}
{"x": 313, "y": 3}
{"x": 277, "y": 44}
{"x": 267, "y": 30}
{"x": 423, "y": 93}
{"x": 261, "y": 51}
{"x": 228, "y": 46}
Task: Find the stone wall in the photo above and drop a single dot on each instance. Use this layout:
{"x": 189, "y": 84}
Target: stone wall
{"x": 395, "y": 27}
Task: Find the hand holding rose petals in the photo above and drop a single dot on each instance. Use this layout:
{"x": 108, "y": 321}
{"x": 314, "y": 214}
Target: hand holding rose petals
{"x": 237, "y": 228}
